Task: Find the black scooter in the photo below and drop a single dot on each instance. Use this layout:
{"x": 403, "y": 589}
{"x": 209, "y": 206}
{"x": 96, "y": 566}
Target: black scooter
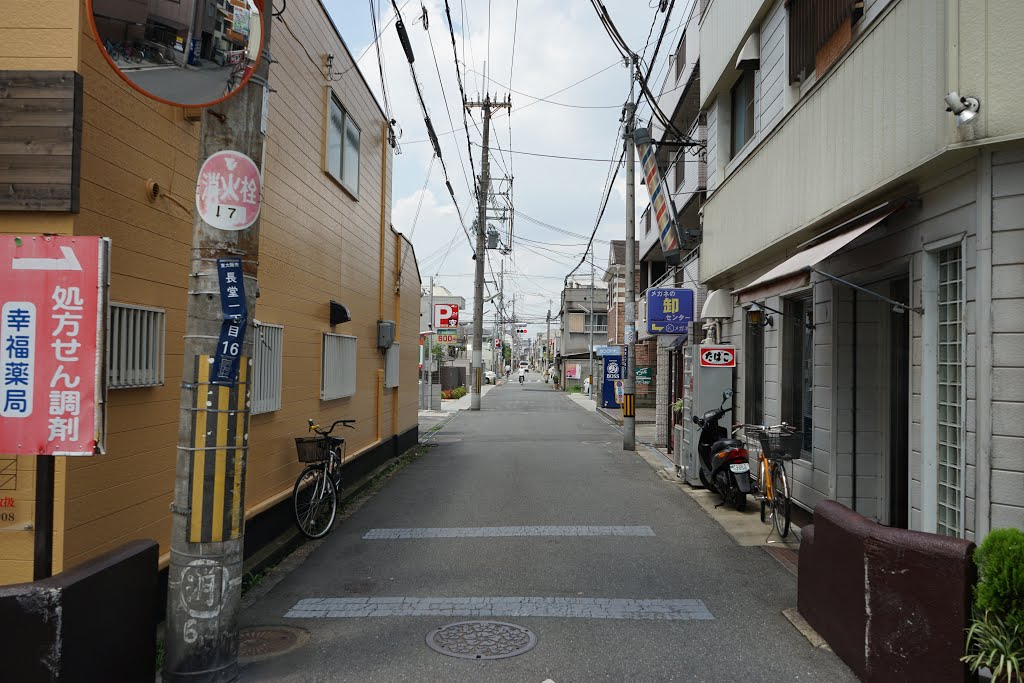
{"x": 724, "y": 466}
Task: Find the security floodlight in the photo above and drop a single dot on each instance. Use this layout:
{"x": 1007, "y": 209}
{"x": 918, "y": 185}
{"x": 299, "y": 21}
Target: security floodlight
{"x": 964, "y": 108}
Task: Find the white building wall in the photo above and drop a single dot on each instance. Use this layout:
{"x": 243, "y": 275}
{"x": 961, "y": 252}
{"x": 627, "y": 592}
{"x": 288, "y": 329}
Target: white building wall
{"x": 773, "y": 68}
{"x": 712, "y": 153}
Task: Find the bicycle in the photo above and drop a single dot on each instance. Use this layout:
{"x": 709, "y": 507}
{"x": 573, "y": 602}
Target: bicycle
{"x": 779, "y": 443}
{"x": 315, "y": 495}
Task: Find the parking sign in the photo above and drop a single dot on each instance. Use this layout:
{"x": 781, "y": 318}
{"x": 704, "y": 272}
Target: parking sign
{"x": 446, "y": 315}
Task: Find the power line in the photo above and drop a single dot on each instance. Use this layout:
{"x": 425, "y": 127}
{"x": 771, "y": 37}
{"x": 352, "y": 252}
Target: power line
{"x": 462, "y": 91}
{"x": 447, "y": 109}
{"x": 552, "y": 156}
{"x": 553, "y": 228}
{"x": 549, "y": 101}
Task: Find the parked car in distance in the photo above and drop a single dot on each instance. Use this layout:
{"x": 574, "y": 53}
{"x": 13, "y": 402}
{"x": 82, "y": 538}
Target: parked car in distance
{"x": 489, "y": 377}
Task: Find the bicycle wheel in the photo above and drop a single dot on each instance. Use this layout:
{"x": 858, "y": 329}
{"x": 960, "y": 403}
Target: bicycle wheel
{"x": 315, "y": 501}
{"x": 764, "y": 486}
{"x": 780, "y": 500}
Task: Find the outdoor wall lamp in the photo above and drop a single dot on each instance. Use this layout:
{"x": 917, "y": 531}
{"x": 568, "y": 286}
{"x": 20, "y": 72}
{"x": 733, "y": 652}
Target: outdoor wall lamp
{"x": 757, "y": 317}
{"x": 964, "y": 108}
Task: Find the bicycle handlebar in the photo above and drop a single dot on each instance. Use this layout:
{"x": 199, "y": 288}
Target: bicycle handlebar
{"x": 313, "y": 427}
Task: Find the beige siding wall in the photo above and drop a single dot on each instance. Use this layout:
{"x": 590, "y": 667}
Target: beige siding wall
{"x": 318, "y": 243}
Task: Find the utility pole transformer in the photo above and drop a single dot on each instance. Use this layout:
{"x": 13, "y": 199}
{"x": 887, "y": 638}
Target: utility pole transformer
{"x": 629, "y": 381}
{"x": 204, "y": 583}
{"x": 483, "y": 193}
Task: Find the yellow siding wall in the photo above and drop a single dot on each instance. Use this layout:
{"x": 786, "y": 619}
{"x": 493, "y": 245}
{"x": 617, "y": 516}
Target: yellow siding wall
{"x": 318, "y": 243}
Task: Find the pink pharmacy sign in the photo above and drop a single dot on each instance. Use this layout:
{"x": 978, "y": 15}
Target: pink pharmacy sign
{"x": 229, "y": 191}
{"x": 52, "y": 303}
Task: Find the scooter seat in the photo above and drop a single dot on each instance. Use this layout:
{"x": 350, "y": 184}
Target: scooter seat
{"x": 725, "y": 445}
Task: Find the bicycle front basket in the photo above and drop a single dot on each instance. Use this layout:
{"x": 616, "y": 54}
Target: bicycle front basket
{"x": 785, "y": 445}
{"x": 312, "y": 448}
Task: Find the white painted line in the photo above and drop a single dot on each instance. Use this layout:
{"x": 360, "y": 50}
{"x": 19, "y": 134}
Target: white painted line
{"x": 563, "y": 608}
{"x": 506, "y": 531}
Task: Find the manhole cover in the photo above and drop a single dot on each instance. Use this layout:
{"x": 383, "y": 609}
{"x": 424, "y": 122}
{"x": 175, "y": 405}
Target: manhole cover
{"x": 481, "y": 640}
{"x": 260, "y": 642}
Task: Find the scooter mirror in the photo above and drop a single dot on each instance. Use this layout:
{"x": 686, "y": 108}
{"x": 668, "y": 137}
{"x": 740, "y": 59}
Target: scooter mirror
{"x": 696, "y": 420}
{"x": 726, "y": 395}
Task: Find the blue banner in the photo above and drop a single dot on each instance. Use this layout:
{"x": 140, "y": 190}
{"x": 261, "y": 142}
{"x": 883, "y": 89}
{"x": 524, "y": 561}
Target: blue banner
{"x": 232, "y": 330}
{"x": 669, "y": 310}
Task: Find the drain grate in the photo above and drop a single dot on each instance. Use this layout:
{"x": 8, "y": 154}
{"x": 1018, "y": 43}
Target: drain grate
{"x": 481, "y": 640}
{"x": 261, "y": 642}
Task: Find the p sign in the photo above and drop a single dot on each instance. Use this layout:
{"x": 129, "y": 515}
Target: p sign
{"x": 718, "y": 356}
{"x": 446, "y": 315}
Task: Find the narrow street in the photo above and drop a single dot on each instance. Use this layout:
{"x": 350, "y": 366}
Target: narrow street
{"x": 619, "y": 575}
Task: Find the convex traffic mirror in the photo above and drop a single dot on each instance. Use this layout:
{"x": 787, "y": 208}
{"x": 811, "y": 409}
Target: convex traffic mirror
{"x": 188, "y": 53}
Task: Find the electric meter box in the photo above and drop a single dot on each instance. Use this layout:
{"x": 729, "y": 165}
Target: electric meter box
{"x": 707, "y": 372}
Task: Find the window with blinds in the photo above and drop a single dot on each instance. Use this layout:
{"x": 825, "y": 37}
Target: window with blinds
{"x": 950, "y": 397}
{"x": 268, "y": 357}
{"x": 135, "y": 346}
{"x": 392, "y": 367}
{"x": 338, "y": 366}
{"x": 577, "y": 322}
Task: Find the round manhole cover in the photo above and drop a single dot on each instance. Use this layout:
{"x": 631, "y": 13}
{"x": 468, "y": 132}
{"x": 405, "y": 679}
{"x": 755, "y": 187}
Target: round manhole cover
{"x": 260, "y": 642}
{"x": 482, "y": 640}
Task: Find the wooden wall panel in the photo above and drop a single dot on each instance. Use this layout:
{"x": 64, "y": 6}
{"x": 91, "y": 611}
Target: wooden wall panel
{"x": 40, "y": 138}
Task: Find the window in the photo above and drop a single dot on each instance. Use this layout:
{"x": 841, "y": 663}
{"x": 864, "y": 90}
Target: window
{"x": 342, "y": 146}
{"x": 338, "y": 366}
{"x": 577, "y": 322}
{"x": 742, "y": 112}
{"x": 798, "y": 367}
{"x": 268, "y": 347}
{"x": 681, "y": 56}
{"x": 950, "y": 392}
{"x": 647, "y": 220}
{"x": 599, "y": 321}
{"x": 812, "y": 24}
{"x": 135, "y": 348}
{"x": 680, "y": 169}
{"x": 392, "y": 366}
{"x": 753, "y": 374}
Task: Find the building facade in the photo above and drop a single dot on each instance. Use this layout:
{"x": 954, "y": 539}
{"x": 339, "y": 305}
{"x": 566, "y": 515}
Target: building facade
{"x": 583, "y": 321}
{"x": 882, "y": 235}
{"x": 325, "y": 237}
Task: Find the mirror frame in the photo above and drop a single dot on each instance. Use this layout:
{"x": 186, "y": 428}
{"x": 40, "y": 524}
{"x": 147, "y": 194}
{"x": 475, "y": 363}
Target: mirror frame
{"x": 202, "y": 105}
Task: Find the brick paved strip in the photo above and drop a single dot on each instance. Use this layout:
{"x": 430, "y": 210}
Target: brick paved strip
{"x": 501, "y": 531}
{"x": 584, "y": 608}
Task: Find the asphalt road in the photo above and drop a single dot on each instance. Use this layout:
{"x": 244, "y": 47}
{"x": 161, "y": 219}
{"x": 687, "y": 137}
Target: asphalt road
{"x": 185, "y": 86}
{"x": 598, "y": 538}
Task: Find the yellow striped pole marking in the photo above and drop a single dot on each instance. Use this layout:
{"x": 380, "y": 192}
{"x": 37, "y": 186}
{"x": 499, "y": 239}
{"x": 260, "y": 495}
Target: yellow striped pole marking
{"x": 199, "y": 456}
{"x": 220, "y": 466}
{"x": 241, "y": 427}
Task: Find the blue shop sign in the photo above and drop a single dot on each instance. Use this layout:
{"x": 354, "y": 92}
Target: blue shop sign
{"x": 669, "y": 310}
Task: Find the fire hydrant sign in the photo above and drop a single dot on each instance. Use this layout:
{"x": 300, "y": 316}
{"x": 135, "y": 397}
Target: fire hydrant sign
{"x": 52, "y": 303}
{"x": 229, "y": 191}
{"x": 718, "y": 356}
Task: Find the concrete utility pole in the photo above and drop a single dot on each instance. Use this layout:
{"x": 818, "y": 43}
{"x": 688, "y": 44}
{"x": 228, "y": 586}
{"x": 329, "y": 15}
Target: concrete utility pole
{"x": 593, "y": 308}
{"x": 629, "y": 381}
{"x": 204, "y": 583}
{"x": 501, "y": 317}
{"x": 482, "y": 196}
{"x": 430, "y": 351}
{"x": 547, "y": 340}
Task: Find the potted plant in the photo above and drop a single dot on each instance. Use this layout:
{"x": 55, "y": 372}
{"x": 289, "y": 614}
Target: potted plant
{"x": 995, "y": 639}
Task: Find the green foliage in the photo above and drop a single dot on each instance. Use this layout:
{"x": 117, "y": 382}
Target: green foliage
{"x": 677, "y": 407}
{"x": 453, "y": 394}
{"x": 575, "y": 389}
{"x": 995, "y": 644}
{"x": 1000, "y": 590}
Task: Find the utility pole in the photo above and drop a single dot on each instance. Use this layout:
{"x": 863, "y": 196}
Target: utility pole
{"x": 204, "y": 581}
{"x": 482, "y": 196}
{"x": 593, "y": 308}
{"x": 430, "y": 351}
{"x": 547, "y": 341}
{"x": 501, "y": 316}
{"x": 629, "y": 381}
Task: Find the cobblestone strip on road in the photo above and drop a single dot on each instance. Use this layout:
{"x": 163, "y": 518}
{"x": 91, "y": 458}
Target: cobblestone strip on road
{"x": 498, "y": 531}
{"x": 582, "y": 608}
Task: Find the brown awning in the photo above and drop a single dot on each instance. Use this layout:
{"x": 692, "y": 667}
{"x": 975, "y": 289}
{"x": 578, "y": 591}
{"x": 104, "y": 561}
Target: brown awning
{"x": 794, "y": 272}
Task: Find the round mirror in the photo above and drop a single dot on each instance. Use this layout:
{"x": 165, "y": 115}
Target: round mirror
{"x": 187, "y": 53}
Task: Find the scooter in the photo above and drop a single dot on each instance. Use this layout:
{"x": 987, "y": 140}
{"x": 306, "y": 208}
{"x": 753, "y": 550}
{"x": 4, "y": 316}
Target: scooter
{"x": 724, "y": 466}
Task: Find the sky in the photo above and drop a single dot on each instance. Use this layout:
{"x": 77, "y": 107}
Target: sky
{"x": 529, "y": 49}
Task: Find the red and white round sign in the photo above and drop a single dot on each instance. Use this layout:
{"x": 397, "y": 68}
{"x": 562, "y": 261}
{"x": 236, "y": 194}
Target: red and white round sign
{"x": 718, "y": 356}
{"x": 229, "y": 191}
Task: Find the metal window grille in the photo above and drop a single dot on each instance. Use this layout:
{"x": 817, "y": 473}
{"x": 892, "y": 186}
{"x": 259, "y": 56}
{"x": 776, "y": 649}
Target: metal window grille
{"x": 392, "y": 367}
{"x": 268, "y": 361}
{"x": 338, "y": 366}
{"x": 950, "y": 385}
{"x": 135, "y": 351}
{"x": 811, "y": 24}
